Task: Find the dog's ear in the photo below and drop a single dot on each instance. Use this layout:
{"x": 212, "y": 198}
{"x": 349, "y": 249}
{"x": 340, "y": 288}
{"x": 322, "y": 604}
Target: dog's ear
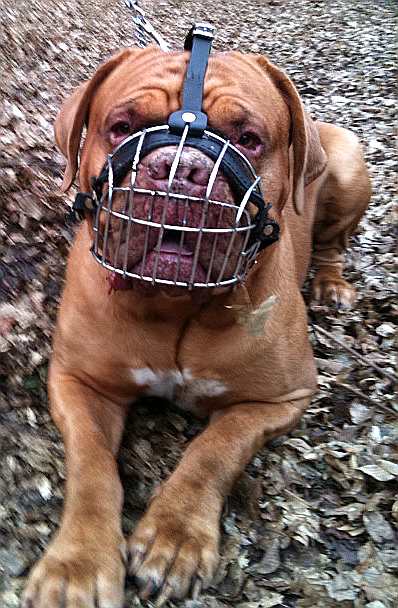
{"x": 309, "y": 158}
{"x": 73, "y": 115}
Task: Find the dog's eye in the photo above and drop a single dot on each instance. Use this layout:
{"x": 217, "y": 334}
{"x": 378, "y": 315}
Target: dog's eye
{"x": 119, "y": 131}
{"x": 249, "y": 140}
{"x": 120, "y": 128}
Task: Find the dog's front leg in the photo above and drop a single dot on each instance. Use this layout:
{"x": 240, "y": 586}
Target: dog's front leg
{"x": 84, "y": 564}
{"x": 175, "y": 546}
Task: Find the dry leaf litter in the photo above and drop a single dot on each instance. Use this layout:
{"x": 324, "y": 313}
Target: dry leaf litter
{"x": 312, "y": 523}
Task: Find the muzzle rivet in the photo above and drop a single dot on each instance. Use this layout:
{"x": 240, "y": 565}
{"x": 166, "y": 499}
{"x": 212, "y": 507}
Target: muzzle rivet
{"x": 268, "y": 230}
{"x": 188, "y": 117}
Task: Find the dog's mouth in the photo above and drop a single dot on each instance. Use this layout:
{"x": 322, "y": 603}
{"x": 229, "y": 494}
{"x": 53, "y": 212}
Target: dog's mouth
{"x": 189, "y": 253}
{"x": 171, "y": 261}
{"x": 174, "y": 261}
{"x": 177, "y": 238}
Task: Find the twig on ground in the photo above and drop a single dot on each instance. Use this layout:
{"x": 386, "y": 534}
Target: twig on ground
{"x": 362, "y": 395}
{"x": 364, "y": 360}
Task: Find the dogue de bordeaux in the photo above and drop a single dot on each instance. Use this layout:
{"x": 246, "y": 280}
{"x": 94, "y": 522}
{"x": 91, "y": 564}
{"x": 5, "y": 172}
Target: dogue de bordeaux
{"x": 113, "y": 346}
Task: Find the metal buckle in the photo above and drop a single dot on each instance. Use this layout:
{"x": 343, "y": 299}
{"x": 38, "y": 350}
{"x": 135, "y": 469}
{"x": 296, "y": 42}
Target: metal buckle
{"x": 206, "y": 30}
{"x": 84, "y": 203}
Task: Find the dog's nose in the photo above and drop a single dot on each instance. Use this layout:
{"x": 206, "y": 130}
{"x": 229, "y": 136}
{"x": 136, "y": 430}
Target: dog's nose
{"x": 193, "y": 167}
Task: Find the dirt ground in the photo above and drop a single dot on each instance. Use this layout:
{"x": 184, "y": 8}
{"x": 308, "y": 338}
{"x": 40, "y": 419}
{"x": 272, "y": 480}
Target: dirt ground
{"x": 312, "y": 523}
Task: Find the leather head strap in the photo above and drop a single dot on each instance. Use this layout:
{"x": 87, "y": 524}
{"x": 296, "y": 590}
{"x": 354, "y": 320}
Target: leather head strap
{"x": 198, "y": 41}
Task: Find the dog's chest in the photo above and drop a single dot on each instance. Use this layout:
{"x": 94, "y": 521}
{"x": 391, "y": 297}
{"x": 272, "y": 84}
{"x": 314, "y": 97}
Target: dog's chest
{"x": 177, "y": 386}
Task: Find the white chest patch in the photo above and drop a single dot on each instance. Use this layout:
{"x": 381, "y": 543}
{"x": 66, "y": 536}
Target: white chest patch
{"x": 180, "y": 387}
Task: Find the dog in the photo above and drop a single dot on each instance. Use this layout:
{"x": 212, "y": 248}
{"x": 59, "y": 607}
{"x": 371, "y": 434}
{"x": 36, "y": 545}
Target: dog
{"x": 116, "y": 341}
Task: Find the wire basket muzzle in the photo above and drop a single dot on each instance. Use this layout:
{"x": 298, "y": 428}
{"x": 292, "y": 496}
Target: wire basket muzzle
{"x": 168, "y": 237}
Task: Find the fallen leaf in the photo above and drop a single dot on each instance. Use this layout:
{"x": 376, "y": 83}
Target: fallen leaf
{"x": 378, "y": 527}
{"x": 254, "y": 320}
{"x": 377, "y": 472}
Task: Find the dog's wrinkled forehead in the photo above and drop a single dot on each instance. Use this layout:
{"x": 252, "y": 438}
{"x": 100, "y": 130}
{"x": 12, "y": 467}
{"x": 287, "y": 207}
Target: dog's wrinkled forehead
{"x": 236, "y": 88}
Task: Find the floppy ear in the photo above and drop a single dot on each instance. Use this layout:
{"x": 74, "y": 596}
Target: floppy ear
{"x": 73, "y": 115}
{"x": 309, "y": 158}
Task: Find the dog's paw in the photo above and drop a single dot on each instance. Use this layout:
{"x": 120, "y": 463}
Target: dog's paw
{"x": 78, "y": 575}
{"x": 173, "y": 551}
{"x": 331, "y": 288}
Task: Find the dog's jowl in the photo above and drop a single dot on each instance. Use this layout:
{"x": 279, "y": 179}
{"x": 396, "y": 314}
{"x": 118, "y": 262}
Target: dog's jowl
{"x": 198, "y": 227}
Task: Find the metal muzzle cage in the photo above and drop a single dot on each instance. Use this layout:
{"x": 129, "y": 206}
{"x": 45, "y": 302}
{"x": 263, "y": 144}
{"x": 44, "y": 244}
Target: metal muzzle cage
{"x": 127, "y": 216}
{"x": 168, "y": 236}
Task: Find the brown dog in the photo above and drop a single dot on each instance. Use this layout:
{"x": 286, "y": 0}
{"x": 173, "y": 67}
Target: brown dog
{"x": 111, "y": 348}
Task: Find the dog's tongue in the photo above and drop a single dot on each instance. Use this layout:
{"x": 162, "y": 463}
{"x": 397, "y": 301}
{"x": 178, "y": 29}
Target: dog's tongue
{"x": 172, "y": 258}
{"x": 175, "y": 248}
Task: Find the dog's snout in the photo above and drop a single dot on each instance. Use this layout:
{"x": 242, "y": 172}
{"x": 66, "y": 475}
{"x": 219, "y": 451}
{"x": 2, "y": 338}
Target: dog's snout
{"x": 193, "y": 168}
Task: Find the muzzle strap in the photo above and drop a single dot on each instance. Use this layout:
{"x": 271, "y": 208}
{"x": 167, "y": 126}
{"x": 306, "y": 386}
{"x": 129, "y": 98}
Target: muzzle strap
{"x": 232, "y": 165}
{"x": 198, "y": 41}
{"x": 84, "y": 203}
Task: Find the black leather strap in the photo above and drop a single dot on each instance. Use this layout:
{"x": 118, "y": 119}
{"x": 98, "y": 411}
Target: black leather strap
{"x": 232, "y": 166}
{"x": 198, "y": 41}
{"x": 84, "y": 203}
